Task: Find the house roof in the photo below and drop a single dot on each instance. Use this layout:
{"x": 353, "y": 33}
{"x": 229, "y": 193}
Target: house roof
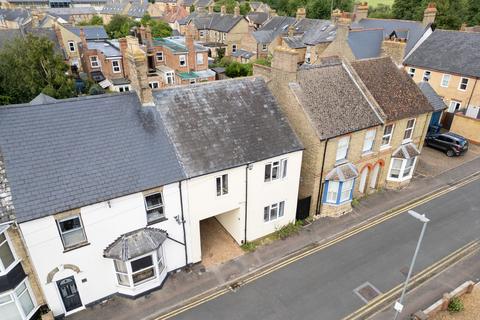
{"x": 224, "y": 124}
{"x": 333, "y": 100}
{"x": 135, "y": 243}
{"x": 66, "y": 13}
{"x": 240, "y": 53}
{"x": 76, "y": 152}
{"x": 366, "y": 43}
{"x": 42, "y": 99}
{"x": 406, "y": 151}
{"x": 114, "y": 7}
{"x": 449, "y": 51}
{"x": 8, "y": 35}
{"x": 272, "y": 28}
{"x": 138, "y": 9}
{"x": 412, "y": 29}
{"x": 108, "y": 48}
{"x": 91, "y": 32}
{"x": 214, "y": 21}
{"x": 18, "y": 15}
{"x": 176, "y": 44}
{"x": 342, "y": 172}
{"x": 393, "y": 89}
{"x": 257, "y": 17}
{"x": 435, "y": 100}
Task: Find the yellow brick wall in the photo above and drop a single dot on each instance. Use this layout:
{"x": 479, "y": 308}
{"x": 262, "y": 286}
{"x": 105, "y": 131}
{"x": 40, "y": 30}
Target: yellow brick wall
{"x": 467, "y": 127}
{"x": 394, "y": 49}
{"x": 238, "y": 35}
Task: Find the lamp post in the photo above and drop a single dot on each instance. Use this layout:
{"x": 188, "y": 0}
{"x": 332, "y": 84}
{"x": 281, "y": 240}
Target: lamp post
{"x": 422, "y": 218}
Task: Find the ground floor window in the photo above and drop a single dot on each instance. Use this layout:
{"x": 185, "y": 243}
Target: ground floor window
{"x": 140, "y": 270}
{"x": 401, "y": 169}
{"x": 274, "y": 211}
{"x": 17, "y": 304}
{"x": 337, "y": 192}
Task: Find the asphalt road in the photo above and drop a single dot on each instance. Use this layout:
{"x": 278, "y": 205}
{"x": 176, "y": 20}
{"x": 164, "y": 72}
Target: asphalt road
{"x": 321, "y": 286}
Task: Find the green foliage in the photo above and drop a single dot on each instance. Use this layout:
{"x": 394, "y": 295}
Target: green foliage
{"x": 245, "y": 8}
{"x": 265, "y": 61}
{"x": 192, "y": 8}
{"x": 381, "y": 11}
{"x": 29, "y": 66}
{"x": 94, "y": 21}
{"x": 95, "y": 89}
{"x": 406, "y": 9}
{"x": 236, "y": 69}
{"x": 317, "y": 9}
{"x": 229, "y": 5}
{"x": 249, "y": 246}
{"x": 120, "y": 26}
{"x": 289, "y": 230}
{"x": 455, "y": 305}
{"x": 160, "y": 29}
{"x": 355, "y": 202}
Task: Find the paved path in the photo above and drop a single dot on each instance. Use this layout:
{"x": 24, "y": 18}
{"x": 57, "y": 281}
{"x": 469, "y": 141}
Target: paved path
{"x": 321, "y": 286}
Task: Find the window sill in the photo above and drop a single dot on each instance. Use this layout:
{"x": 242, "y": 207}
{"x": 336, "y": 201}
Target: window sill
{"x": 340, "y": 162}
{"x": 77, "y": 246}
{"x": 383, "y": 148}
{"x": 149, "y": 223}
{"x": 405, "y": 141}
{"x": 367, "y": 153}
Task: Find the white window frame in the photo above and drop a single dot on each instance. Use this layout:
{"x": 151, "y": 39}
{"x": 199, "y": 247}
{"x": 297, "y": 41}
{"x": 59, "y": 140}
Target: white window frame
{"x": 427, "y": 74}
{"x": 159, "y": 56}
{"x": 116, "y": 68}
{"x": 277, "y": 208}
{"x": 460, "y": 84}
{"x": 182, "y": 60}
{"x": 94, "y": 63}
{"x": 169, "y": 76}
{"x": 279, "y": 167}
{"x": 369, "y": 141}
{"x": 402, "y": 175}
{"x": 332, "y": 192}
{"x": 158, "y": 265}
{"x": 14, "y": 298}
{"x": 125, "y": 88}
{"x": 346, "y": 193}
{"x": 8, "y": 242}
{"x": 154, "y": 84}
{"x": 82, "y": 227}
{"x": 387, "y": 135}
{"x": 445, "y": 80}
{"x": 411, "y": 72}
{"x": 71, "y": 46}
{"x": 410, "y": 130}
{"x": 343, "y": 145}
{"x": 149, "y": 209}
{"x": 221, "y": 183}
{"x": 199, "y": 58}
{"x": 454, "y": 105}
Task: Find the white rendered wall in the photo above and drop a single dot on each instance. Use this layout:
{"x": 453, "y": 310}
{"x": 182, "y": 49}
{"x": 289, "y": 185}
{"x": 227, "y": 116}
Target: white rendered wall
{"x": 103, "y": 224}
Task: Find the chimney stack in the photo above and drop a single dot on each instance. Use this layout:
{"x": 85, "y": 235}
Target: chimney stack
{"x": 223, "y": 10}
{"x": 291, "y": 30}
{"x": 210, "y": 9}
{"x": 122, "y": 42}
{"x": 190, "y": 44}
{"x": 301, "y": 13}
{"x": 285, "y": 60}
{"x": 148, "y": 37}
{"x": 429, "y": 14}
{"x": 142, "y": 33}
{"x": 138, "y": 69}
{"x": 273, "y": 13}
{"x": 360, "y": 11}
{"x": 83, "y": 39}
{"x": 236, "y": 11}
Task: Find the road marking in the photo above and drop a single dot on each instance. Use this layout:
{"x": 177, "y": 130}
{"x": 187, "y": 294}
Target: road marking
{"x": 329, "y": 243}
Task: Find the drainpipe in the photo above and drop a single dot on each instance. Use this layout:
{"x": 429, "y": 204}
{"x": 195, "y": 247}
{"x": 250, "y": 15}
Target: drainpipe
{"x": 319, "y": 197}
{"x": 246, "y": 200}
{"x": 183, "y": 222}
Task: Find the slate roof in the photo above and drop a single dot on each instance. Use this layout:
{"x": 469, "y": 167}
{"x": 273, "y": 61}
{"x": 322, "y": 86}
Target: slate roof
{"x": 449, "y": 51}
{"x": 393, "y": 89}
{"x": 135, "y": 243}
{"x": 18, "y": 15}
{"x": 435, "y": 100}
{"x": 8, "y": 35}
{"x": 413, "y": 29}
{"x": 342, "y": 172}
{"x": 406, "y": 151}
{"x": 257, "y": 17}
{"x": 81, "y": 151}
{"x": 114, "y": 7}
{"x": 138, "y": 9}
{"x": 333, "y": 101}
{"x": 66, "y": 13}
{"x": 365, "y": 43}
{"x": 272, "y": 28}
{"x": 91, "y": 32}
{"x": 243, "y": 54}
{"x": 214, "y": 21}
{"x": 202, "y": 3}
{"x": 224, "y": 124}
{"x": 108, "y": 48}
{"x": 42, "y": 99}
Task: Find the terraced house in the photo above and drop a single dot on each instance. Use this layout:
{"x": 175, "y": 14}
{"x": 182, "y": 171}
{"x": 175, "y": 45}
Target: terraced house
{"x": 359, "y": 133}
{"x": 113, "y": 188}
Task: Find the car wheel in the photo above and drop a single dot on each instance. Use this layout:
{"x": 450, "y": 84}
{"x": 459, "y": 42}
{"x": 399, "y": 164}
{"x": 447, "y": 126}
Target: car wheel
{"x": 450, "y": 153}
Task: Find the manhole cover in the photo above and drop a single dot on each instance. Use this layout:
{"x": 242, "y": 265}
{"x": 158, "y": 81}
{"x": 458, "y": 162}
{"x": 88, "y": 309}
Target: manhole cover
{"x": 367, "y": 292}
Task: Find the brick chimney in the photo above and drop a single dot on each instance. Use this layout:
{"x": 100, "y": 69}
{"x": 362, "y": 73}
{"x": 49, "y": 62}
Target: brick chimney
{"x": 301, "y": 13}
{"x": 223, "y": 10}
{"x": 83, "y": 39}
{"x": 210, "y": 9}
{"x": 236, "y": 11}
{"x": 122, "y": 42}
{"x": 360, "y": 11}
{"x": 273, "y": 13}
{"x": 429, "y": 14}
{"x": 339, "y": 46}
{"x": 148, "y": 36}
{"x": 142, "y": 33}
{"x": 284, "y": 64}
{"x": 190, "y": 44}
{"x": 291, "y": 30}
{"x": 138, "y": 67}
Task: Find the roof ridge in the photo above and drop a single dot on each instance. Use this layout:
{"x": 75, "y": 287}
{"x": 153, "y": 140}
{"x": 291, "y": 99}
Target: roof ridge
{"x": 384, "y": 19}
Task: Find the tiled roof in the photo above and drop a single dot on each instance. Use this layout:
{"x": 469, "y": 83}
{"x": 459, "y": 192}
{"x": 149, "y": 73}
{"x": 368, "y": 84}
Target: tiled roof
{"x": 435, "y": 100}
{"x": 449, "y": 51}
{"x": 214, "y": 21}
{"x": 108, "y": 48}
{"x": 393, "y": 89}
{"x": 18, "y": 15}
{"x": 333, "y": 100}
{"x": 7, "y": 35}
{"x": 366, "y": 43}
{"x": 406, "y": 151}
{"x": 81, "y": 151}
{"x": 257, "y": 17}
{"x": 91, "y": 32}
{"x": 272, "y": 28}
{"x": 224, "y": 124}
{"x": 342, "y": 172}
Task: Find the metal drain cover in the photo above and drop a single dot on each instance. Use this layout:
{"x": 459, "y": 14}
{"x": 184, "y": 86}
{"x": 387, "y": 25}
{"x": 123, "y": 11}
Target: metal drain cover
{"x": 367, "y": 292}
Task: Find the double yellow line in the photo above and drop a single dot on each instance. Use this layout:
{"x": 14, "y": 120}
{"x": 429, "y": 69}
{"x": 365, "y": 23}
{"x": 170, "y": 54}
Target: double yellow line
{"x": 202, "y": 298}
{"x": 380, "y": 301}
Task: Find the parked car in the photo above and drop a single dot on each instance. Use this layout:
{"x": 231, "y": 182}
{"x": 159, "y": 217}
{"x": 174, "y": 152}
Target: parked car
{"x": 451, "y": 143}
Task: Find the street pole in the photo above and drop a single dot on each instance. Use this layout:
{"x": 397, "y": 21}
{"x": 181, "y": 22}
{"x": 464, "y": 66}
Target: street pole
{"x": 425, "y": 220}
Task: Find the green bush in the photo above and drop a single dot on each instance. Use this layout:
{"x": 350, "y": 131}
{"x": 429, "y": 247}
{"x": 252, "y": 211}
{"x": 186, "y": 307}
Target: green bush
{"x": 288, "y": 230}
{"x": 455, "y": 305}
{"x": 249, "y": 246}
{"x": 237, "y": 69}
{"x": 355, "y": 202}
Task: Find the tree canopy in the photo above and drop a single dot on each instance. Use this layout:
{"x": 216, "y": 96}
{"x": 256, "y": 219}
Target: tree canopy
{"x": 120, "y": 26}
{"x": 29, "y": 66}
{"x": 94, "y": 21}
{"x": 159, "y": 28}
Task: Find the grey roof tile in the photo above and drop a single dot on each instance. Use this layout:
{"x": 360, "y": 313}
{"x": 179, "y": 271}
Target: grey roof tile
{"x": 366, "y": 43}
{"x": 435, "y": 100}
{"x": 135, "y": 243}
{"x": 91, "y": 32}
{"x": 224, "y": 124}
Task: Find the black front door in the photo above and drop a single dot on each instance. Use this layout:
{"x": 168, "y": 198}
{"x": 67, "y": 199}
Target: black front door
{"x": 68, "y": 291}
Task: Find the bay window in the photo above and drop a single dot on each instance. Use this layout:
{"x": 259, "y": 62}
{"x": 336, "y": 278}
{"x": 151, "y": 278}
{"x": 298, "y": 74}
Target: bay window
{"x": 337, "y": 192}
{"x": 401, "y": 169}
{"x": 7, "y": 258}
{"x": 347, "y": 187}
{"x": 18, "y": 304}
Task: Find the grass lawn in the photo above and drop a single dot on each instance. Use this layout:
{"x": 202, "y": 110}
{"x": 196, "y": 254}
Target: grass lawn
{"x": 373, "y": 3}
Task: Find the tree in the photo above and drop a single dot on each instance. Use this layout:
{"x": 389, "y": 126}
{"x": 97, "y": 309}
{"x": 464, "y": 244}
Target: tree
{"x": 94, "y": 21}
{"x": 29, "y": 66}
{"x": 245, "y": 8}
{"x": 237, "y": 69}
{"x": 322, "y": 9}
{"x": 473, "y": 12}
{"x": 381, "y": 11}
{"x": 192, "y": 8}
{"x": 406, "y": 9}
{"x": 120, "y": 26}
{"x": 159, "y": 28}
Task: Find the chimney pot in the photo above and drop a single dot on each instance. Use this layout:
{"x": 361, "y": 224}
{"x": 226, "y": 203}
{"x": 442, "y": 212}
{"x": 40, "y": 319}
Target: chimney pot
{"x": 223, "y": 10}
{"x": 236, "y": 11}
{"x": 210, "y": 9}
{"x": 429, "y": 14}
{"x": 301, "y": 13}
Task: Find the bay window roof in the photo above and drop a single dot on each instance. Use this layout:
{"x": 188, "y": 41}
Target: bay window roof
{"x": 343, "y": 172}
{"x": 406, "y": 151}
{"x": 135, "y": 243}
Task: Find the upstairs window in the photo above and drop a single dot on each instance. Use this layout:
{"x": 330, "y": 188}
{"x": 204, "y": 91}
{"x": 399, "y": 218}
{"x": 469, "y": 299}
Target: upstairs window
{"x": 387, "y": 135}
{"x": 6, "y": 254}
{"x": 411, "y": 72}
{"x": 94, "y": 62}
{"x": 222, "y": 185}
{"x": 154, "y": 207}
{"x": 72, "y": 231}
{"x": 463, "y": 84}
{"x": 342, "y": 148}
{"x": 445, "y": 80}
{"x": 369, "y": 140}
{"x": 275, "y": 170}
{"x": 264, "y": 47}
{"x": 407, "y": 136}
{"x": 116, "y": 66}
{"x": 182, "y": 60}
{"x": 426, "y": 75}
{"x": 202, "y": 33}
{"x": 71, "y": 46}
{"x": 159, "y": 56}
{"x": 234, "y": 48}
